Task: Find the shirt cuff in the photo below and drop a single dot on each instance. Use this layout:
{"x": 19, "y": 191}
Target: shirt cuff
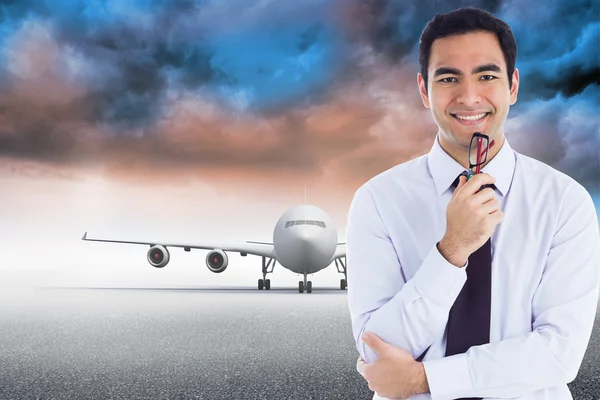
{"x": 439, "y": 280}
{"x": 449, "y": 377}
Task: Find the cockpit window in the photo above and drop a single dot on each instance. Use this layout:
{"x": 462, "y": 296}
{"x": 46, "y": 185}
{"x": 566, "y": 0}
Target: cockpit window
{"x": 305, "y": 222}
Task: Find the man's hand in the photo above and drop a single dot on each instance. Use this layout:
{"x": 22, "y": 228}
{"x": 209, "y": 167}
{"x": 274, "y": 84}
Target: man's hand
{"x": 471, "y": 217}
{"x": 395, "y": 374}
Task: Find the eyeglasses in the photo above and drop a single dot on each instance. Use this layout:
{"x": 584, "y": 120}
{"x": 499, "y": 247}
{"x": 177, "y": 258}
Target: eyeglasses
{"x": 478, "y": 152}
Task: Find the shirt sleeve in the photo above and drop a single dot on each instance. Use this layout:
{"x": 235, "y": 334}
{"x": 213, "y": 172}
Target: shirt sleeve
{"x": 410, "y": 315}
{"x": 563, "y": 313}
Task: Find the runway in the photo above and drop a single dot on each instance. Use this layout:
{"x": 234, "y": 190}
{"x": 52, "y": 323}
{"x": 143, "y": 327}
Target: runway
{"x": 191, "y": 343}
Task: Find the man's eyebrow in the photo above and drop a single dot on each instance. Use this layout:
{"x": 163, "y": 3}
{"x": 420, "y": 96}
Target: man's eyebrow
{"x": 455, "y": 71}
{"x": 486, "y": 67}
{"x": 446, "y": 70}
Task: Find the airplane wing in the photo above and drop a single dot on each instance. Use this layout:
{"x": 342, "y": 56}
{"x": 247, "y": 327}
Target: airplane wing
{"x": 254, "y": 248}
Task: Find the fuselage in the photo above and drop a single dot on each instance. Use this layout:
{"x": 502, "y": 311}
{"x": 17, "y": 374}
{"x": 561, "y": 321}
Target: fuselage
{"x": 305, "y": 239}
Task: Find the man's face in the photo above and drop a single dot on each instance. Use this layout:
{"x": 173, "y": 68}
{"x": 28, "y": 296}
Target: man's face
{"x": 468, "y": 87}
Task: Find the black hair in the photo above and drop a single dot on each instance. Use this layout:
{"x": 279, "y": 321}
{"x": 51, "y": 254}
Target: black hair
{"x": 465, "y": 20}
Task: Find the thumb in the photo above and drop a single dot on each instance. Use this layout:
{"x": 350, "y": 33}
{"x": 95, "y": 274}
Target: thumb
{"x": 374, "y": 342}
{"x": 462, "y": 180}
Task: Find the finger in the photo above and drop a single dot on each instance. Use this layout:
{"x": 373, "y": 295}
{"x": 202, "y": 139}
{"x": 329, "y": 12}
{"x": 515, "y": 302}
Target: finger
{"x": 374, "y": 342}
{"x": 476, "y": 182}
{"x": 461, "y": 182}
{"x": 360, "y": 364}
{"x": 499, "y": 215}
{"x": 485, "y": 195}
{"x": 361, "y": 369}
{"x": 489, "y": 209}
{"x": 490, "y": 206}
{"x": 366, "y": 372}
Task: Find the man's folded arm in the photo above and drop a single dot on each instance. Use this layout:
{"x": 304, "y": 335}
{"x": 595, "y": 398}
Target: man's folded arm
{"x": 563, "y": 307}
{"x": 409, "y": 314}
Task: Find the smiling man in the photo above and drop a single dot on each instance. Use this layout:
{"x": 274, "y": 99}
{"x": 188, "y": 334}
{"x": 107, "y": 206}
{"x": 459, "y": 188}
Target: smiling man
{"x": 457, "y": 290}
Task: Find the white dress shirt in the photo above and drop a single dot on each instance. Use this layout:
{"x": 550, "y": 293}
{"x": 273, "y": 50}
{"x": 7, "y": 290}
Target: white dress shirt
{"x": 545, "y": 275}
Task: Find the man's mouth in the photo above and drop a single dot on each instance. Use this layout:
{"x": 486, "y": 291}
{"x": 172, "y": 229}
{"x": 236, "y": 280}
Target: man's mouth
{"x": 470, "y": 119}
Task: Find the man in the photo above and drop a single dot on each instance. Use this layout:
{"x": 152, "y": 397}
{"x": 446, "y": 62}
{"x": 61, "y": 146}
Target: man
{"x": 445, "y": 319}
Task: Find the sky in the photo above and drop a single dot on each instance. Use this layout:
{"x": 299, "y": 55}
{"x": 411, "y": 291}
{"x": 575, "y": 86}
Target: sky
{"x": 208, "y": 118}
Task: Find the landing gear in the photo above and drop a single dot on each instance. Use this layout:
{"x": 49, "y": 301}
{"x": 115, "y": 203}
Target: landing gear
{"x": 305, "y": 284}
{"x": 342, "y": 270}
{"x": 265, "y": 283}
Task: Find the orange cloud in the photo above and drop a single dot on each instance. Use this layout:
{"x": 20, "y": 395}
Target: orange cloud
{"x": 369, "y": 121}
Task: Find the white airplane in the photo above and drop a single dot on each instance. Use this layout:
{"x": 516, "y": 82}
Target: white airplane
{"x": 304, "y": 241}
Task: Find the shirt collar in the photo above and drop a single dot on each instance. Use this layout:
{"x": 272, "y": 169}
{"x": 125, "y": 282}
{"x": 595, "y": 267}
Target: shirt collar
{"x": 444, "y": 169}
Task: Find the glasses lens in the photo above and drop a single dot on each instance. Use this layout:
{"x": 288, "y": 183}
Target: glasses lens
{"x": 478, "y": 147}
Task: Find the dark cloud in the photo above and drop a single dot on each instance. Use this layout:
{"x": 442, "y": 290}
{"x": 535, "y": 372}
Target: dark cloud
{"x": 316, "y": 87}
{"x": 393, "y": 28}
{"x": 558, "y": 60}
{"x": 564, "y": 60}
{"x": 86, "y": 81}
{"x": 562, "y": 132}
{"x": 131, "y": 59}
{"x": 559, "y": 46}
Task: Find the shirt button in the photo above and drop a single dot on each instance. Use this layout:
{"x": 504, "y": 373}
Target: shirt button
{"x": 449, "y": 293}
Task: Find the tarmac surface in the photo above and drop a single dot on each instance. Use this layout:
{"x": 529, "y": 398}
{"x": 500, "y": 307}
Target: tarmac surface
{"x": 192, "y": 343}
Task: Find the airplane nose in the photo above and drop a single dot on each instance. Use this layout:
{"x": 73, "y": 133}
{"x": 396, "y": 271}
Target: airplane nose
{"x": 304, "y": 248}
{"x": 306, "y": 237}
{"x": 313, "y": 248}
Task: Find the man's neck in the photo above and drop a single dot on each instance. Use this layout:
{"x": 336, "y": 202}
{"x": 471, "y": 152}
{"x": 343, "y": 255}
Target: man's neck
{"x": 460, "y": 153}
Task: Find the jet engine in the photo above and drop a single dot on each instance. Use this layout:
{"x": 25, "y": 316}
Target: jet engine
{"x": 216, "y": 261}
{"x": 158, "y": 256}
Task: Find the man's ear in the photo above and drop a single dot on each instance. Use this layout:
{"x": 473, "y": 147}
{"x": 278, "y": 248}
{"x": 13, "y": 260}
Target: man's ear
{"x": 514, "y": 90}
{"x": 423, "y": 90}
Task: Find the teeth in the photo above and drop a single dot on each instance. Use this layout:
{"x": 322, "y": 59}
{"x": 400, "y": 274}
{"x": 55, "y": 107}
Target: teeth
{"x": 471, "y": 118}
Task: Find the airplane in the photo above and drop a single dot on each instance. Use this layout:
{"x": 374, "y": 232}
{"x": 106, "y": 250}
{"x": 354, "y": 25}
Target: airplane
{"x": 304, "y": 241}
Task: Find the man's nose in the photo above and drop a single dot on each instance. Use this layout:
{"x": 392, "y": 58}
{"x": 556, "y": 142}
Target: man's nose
{"x": 468, "y": 94}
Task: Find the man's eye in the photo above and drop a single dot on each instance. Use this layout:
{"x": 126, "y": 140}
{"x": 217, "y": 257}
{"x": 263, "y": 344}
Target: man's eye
{"x": 488, "y": 77}
{"x": 448, "y": 79}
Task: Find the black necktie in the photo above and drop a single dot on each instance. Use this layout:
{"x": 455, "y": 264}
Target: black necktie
{"x": 469, "y": 319}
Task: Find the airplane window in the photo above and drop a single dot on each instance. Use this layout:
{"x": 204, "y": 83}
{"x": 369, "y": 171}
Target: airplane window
{"x": 305, "y": 222}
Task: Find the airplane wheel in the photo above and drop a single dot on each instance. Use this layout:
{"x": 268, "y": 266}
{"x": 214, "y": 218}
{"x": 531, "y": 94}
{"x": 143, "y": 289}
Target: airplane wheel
{"x": 309, "y": 287}
{"x": 300, "y": 287}
{"x": 342, "y": 284}
{"x": 261, "y": 284}
{"x": 268, "y": 284}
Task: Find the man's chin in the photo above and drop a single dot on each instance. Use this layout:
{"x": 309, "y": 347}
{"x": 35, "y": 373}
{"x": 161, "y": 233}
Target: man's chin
{"x": 463, "y": 138}
{"x": 460, "y": 139}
